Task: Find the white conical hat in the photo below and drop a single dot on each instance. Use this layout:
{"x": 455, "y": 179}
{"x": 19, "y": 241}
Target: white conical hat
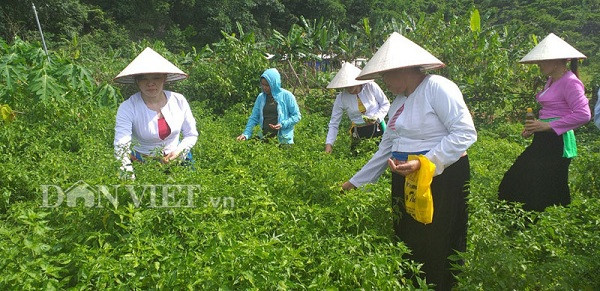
{"x": 552, "y": 47}
{"x": 398, "y": 52}
{"x": 149, "y": 62}
{"x": 346, "y": 77}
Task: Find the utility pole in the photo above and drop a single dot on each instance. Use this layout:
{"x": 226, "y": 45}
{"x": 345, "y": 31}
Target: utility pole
{"x": 40, "y": 29}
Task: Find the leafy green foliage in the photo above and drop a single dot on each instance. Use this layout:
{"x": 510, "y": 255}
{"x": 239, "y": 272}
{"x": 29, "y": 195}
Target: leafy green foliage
{"x": 185, "y": 23}
{"x": 319, "y": 101}
{"x": 27, "y": 73}
{"x": 509, "y": 248}
{"x": 482, "y": 59}
{"x": 587, "y": 163}
{"x": 485, "y": 65}
{"x": 475, "y": 21}
{"x": 226, "y": 73}
{"x": 289, "y": 225}
{"x": 480, "y": 50}
{"x": 58, "y": 18}
{"x": 45, "y": 87}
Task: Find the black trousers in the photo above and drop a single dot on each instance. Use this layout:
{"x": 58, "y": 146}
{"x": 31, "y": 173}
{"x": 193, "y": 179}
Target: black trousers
{"x": 540, "y": 175}
{"x": 431, "y": 244}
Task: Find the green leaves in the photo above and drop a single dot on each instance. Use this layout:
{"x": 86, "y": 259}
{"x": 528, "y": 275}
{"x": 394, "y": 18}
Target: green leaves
{"x": 77, "y": 77}
{"x": 10, "y": 74}
{"x": 27, "y": 76}
{"x": 475, "y": 21}
{"x": 108, "y": 95}
{"x": 289, "y": 226}
{"x": 225, "y": 73}
{"x": 513, "y": 249}
{"x": 45, "y": 87}
{"x": 534, "y": 39}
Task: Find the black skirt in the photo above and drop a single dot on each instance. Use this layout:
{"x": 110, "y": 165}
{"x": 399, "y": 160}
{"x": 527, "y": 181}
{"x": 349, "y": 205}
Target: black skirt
{"x": 431, "y": 244}
{"x": 539, "y": 177}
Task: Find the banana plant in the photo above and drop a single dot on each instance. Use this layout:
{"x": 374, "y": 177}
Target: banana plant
{"x": 323, "y": 35}
{"x": 291, "y": 47}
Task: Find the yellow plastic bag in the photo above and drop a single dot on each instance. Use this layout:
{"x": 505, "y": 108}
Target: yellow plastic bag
{"x": 418, "y": 201}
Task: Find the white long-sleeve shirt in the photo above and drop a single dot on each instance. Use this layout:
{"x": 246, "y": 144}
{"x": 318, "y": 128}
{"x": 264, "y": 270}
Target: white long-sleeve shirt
{"x": 135, "y": 121}
{"x": 435, "y": 119}
{"x": 371, "y": 96}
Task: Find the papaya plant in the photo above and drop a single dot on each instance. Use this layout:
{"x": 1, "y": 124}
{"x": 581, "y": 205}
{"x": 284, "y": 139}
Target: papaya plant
{"x": 27, "y": 73}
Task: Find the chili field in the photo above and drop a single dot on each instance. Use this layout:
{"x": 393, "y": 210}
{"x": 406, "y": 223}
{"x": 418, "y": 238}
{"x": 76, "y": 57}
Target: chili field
{"x": 253, "y": 215}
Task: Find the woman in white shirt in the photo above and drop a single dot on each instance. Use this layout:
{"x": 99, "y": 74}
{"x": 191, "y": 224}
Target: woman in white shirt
{"x": 153, "y": 118}
{"x": 429, "y": 117}
{"x": 364, "y": 102}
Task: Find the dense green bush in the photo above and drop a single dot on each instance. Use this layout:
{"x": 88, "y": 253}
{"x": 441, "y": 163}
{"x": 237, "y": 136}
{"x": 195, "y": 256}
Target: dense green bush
{"x": 587, "y": 163}
{"x": 509, "y": 248}
{"x": 482, "y": 59}
{"x": 226, "y": 73}
{"x": 289, "y": 226}
{"x": 285, "y": 224}
{"x": 319, "y": 101}
{"x": 183, "y": 23}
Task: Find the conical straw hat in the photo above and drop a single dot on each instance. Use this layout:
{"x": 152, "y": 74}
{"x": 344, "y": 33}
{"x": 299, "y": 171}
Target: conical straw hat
{"x": 346, "y": 77}
{"x": 398, "y": 52}
{"x": 552, "y": 47}
{"x": 149, "y": 62}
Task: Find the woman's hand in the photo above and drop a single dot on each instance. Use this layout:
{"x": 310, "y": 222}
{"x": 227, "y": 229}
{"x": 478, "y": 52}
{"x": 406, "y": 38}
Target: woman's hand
{"x": 532, "y": 126}
{"x": 369, "y": 120}
{"x": 404, "y": 167}
{"x": 276, "y": 126}
{"x": 241, "y": 137}
{"x": 328, "y": 148}
{"x": 169, "y": 157}
{"x": 348, "y": 186}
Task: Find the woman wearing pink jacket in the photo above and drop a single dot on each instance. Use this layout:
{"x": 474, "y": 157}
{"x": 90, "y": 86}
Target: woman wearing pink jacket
{"x": 539, "y": 177}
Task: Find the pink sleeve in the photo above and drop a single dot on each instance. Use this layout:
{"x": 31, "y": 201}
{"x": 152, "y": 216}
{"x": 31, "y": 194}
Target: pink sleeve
{"x": 574, "y": 93}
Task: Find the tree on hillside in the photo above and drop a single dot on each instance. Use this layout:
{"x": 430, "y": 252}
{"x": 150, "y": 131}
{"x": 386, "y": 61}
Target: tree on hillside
{"x": 315, "y": 9}
{"x": 58, "y": 17}
{"x": 576, "y": 21}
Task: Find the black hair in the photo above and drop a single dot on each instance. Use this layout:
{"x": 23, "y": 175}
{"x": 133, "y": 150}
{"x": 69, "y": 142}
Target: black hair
{"x": 574, "y": 67}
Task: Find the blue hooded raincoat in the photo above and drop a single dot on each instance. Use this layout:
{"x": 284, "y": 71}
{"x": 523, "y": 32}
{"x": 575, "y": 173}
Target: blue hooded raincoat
{"x": 287, "y": 109}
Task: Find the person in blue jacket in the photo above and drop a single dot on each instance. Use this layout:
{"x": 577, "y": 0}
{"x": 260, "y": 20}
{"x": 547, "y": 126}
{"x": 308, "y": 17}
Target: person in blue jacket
{"x": 275, "y": 110}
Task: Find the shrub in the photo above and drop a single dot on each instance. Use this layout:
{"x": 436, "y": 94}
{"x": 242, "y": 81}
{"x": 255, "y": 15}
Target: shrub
{"x": 226, "y": 73}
